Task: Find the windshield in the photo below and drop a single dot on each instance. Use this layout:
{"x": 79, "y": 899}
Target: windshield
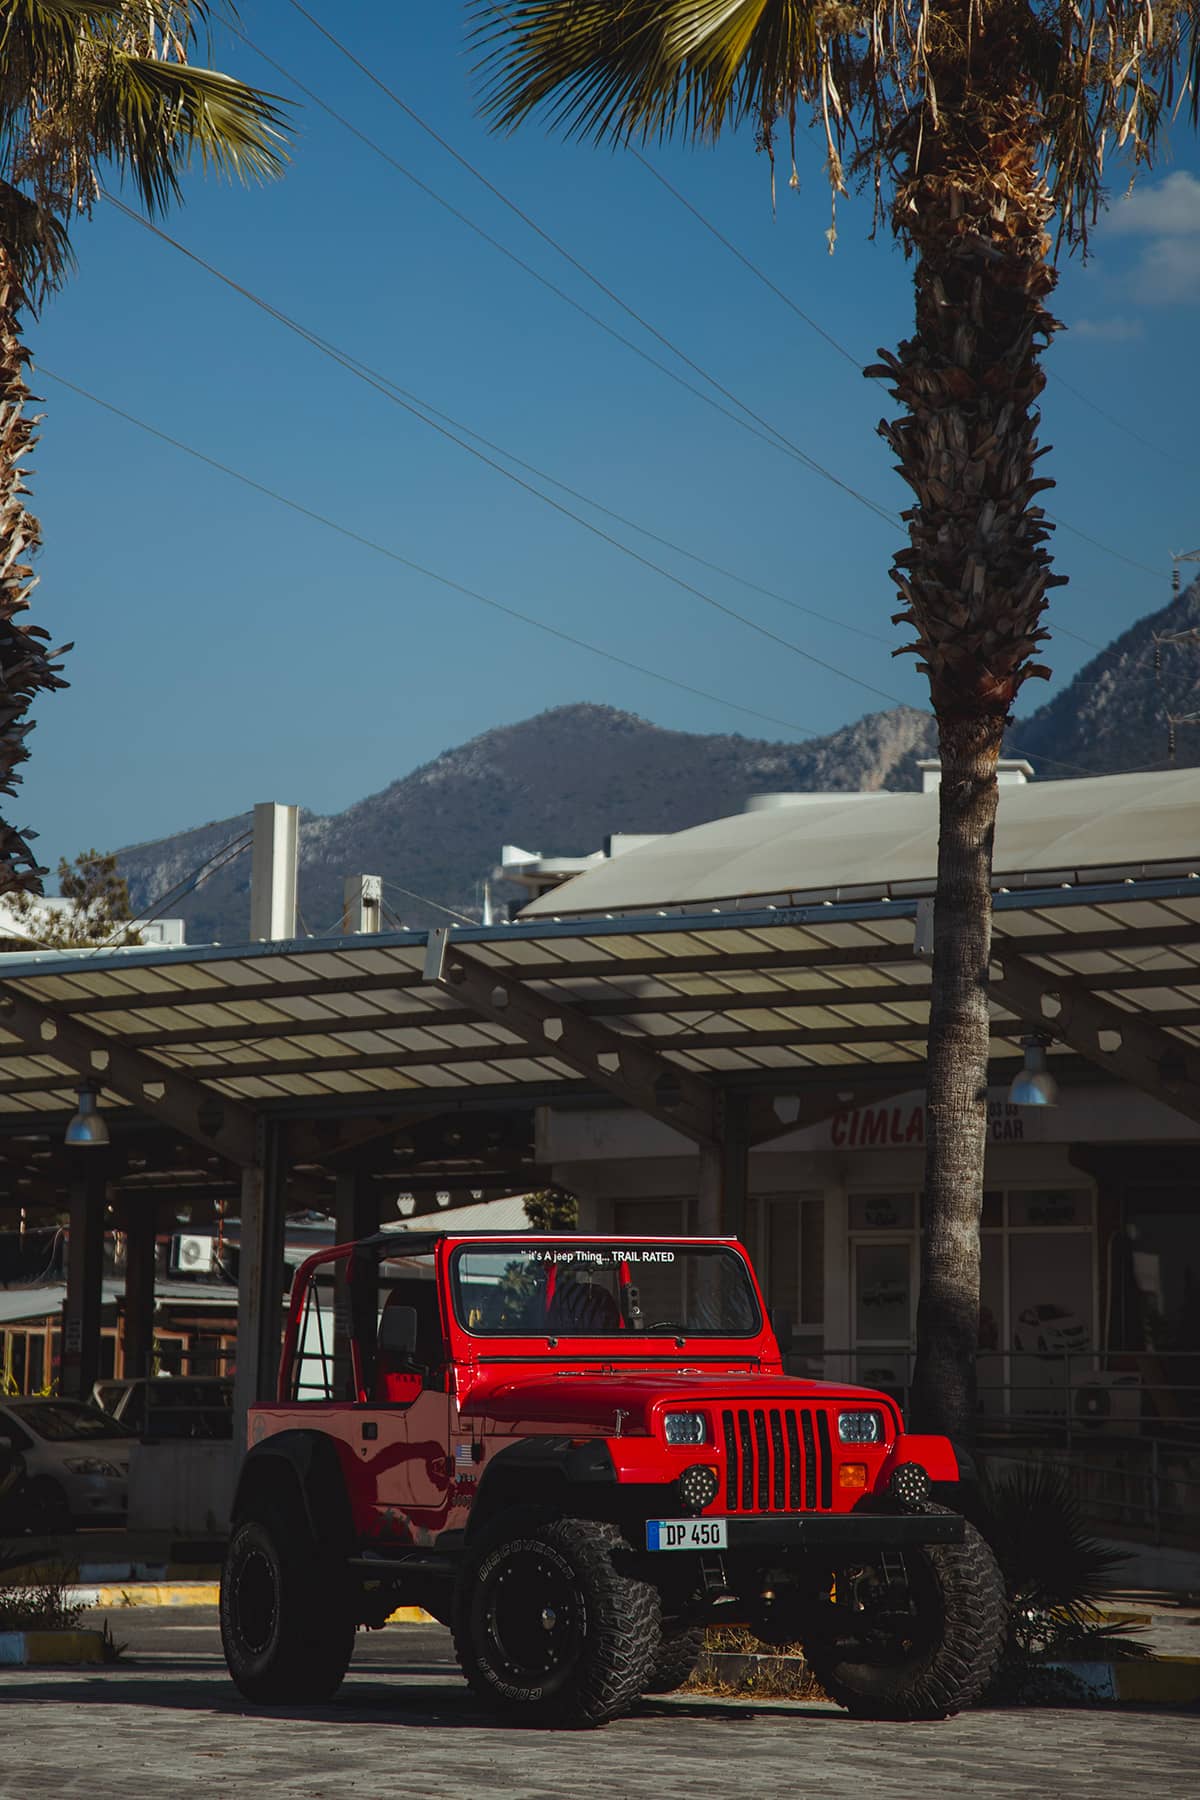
{"x": 578, "y": 1289}
{"x": 60, "y": 1422}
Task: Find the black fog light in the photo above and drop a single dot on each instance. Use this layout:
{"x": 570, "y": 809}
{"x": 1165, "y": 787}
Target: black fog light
{"x": 697, "y": 1488}
{"x": 910, "y": 1484}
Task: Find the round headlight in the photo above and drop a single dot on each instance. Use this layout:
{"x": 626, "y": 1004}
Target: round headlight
{"x": 684, "y": 1428}
{"x": 860, "y": 1427}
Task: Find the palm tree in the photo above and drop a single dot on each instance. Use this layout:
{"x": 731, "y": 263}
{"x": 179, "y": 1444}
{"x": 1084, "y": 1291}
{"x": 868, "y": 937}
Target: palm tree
{"x": 977, "y": 124}
{"x": 86, "y": 84}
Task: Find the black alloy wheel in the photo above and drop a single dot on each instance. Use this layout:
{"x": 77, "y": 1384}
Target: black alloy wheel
{"x": 535, "y": 1615}
{"x": 286, "y": 1625}
{"x": 548, "y": 1626}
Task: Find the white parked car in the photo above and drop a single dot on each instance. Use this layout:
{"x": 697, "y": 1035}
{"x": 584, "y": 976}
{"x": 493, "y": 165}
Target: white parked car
{"x": 1050, "y": 1331}
{"x": 76, "y": 1464}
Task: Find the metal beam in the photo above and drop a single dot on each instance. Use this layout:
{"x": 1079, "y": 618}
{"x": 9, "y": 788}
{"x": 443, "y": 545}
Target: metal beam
{"x": 221, "y": 1124}
{"x": 627, "y": 1067}
{"x": 552, "y": 969}
{"x": 427, "y": 1016}
{"x": 1126, "y": 1044}
{"x": 888, "y": 1031}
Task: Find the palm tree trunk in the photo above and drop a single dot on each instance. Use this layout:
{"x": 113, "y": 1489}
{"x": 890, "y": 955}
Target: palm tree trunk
{"x": 27, "y": 667}
{"x": 956, "y": 1107}
{"x": 974, "y": 207}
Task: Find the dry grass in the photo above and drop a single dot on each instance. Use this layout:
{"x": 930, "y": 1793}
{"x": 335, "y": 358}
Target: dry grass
{"x": 781, "y": 1674}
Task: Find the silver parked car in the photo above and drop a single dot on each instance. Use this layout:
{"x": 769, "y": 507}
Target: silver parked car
{"x": 76, "y": 1463}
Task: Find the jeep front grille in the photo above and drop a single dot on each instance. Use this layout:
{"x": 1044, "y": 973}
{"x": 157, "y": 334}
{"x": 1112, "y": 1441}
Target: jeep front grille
{"x": 777, "y": 1459}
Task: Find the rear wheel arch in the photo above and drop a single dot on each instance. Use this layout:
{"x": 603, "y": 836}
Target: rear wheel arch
{"x": 299, "y": 1475}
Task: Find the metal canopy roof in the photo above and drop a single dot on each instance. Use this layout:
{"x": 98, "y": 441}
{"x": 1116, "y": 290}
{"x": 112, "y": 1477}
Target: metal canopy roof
{"x": 777, "y": 995}
{"x": 831, "y": 846}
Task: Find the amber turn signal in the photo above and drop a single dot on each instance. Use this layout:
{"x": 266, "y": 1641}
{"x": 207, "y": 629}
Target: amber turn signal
{"x": 852, "y": 1475}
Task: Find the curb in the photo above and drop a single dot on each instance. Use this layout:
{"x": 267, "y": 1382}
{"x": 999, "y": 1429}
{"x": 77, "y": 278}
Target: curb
{"x": 191, "y": 1593}
{"x": 1157, "y": 1681}
{"x": 41, "y": 1649}
{"x": 145, "y": 1593}
{"x": 106, "y": 1574}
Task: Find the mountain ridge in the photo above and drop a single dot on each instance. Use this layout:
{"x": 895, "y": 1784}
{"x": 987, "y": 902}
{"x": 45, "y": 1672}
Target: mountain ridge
{"x": 561, "y": 781}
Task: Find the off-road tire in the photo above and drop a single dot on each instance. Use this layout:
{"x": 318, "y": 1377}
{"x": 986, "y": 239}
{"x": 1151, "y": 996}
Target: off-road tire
{"x": 286, "y": 1626}
{"x": 677, "y": 1657}
{"x": 602, "y": 1626}
{"x": 957, "y": 1667}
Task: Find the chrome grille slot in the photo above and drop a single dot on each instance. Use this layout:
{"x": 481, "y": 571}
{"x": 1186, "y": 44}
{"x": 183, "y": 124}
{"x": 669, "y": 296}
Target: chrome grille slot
{"x": 777, "y": 1459}
{"x": 764, "y": 1461}
{"x": 794, "y": 1463}
{"x": 826, "y": 1469}
{"x": 778, "y": 1466}
{"x": 747, "y": 1462}
{"x": 731, "y": 1462}
{"x": 810, "y": 1463}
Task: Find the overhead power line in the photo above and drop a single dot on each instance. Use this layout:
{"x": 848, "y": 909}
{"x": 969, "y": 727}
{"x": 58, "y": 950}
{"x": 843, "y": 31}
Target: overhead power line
{"x": 776, "y": 438}
{"x": 457, "y": 587}
{"x": 593, "y": 318}
{"x": 766, "y": 435}
{"x": 849, "y": 357}
{"x": 211, "y": 865}
{"x": 421, "y": 569}
{"x": 581, "y": 268}
{"x": 754, "y": 269}
{"x": 419, "y": 409}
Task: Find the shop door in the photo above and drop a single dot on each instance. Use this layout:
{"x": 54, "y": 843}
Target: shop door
{"x": 884, "y": 1307}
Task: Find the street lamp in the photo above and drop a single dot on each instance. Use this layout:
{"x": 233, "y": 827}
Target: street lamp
{"x": 1033, "y": 1084}
{"x": 87, "y": 1125}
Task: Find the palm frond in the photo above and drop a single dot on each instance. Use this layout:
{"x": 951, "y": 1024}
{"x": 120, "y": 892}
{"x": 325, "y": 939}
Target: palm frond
{"x": 1090, "y": 76}
{"x": 39, "y": 40}
{"x": 153, "y": 118}
{"x": 37, "y": 243}
{"x": 1050, "y": 1560}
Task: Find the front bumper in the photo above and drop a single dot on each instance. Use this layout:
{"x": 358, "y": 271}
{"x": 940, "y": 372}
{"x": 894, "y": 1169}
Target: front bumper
{"x": 862, "y": 1533}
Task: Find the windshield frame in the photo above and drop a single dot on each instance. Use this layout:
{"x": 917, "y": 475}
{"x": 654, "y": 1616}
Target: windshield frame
{"x": 627, "y": 1338}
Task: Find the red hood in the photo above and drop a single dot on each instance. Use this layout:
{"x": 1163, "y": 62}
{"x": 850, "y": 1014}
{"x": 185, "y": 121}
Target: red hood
{"x": 532, "y": 1401}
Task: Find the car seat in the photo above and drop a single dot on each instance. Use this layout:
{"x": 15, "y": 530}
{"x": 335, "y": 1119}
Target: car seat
{"x": 399, "y": 1379}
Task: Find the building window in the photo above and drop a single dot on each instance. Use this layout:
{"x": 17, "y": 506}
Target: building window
{"x": 1037, "y": 1316}
{"x": 785, "y": 1235}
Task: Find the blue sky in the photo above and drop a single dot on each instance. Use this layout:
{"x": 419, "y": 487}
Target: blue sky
{"x": 230, "y": 651}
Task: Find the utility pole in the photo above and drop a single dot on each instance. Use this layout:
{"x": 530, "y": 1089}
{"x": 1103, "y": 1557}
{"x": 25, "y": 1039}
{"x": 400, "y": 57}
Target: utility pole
{"x": 1190, "y": 636}
{"x": 362, "y": 903}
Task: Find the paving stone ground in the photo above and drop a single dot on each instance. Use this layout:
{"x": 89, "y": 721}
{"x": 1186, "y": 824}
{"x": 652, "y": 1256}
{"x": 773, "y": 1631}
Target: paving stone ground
{"x": 169, "y": 1726}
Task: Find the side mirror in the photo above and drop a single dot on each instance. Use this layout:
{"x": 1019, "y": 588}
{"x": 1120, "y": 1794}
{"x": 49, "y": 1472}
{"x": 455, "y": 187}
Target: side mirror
{"x": 781, "y": 1325}
{"x": 398, "y": 1331}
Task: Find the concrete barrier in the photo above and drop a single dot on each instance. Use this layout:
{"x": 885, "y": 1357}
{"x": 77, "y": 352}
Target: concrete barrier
{"x": 180, "y": 1485}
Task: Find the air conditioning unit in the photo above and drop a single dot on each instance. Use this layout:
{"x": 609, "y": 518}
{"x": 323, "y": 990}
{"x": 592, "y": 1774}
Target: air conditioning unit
{"x": 1108, "y": 1403}
{"x": 192, "y": 1254}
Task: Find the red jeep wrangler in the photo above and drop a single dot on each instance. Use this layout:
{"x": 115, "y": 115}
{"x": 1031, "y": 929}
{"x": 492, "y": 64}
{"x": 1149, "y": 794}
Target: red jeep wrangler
{"x": 578, "y": 1452}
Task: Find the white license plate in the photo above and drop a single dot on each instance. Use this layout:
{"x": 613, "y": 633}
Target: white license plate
{"x": 687, "y": 1534}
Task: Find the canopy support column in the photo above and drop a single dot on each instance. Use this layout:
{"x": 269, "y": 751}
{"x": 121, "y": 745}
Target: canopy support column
{"x": 141, "y": 1243}
{"x": 356, "y": 1215}
{"x": 85, "y": 1271}
{"x": 260, "y": 1279}
{"x": 724, "y": 1173}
